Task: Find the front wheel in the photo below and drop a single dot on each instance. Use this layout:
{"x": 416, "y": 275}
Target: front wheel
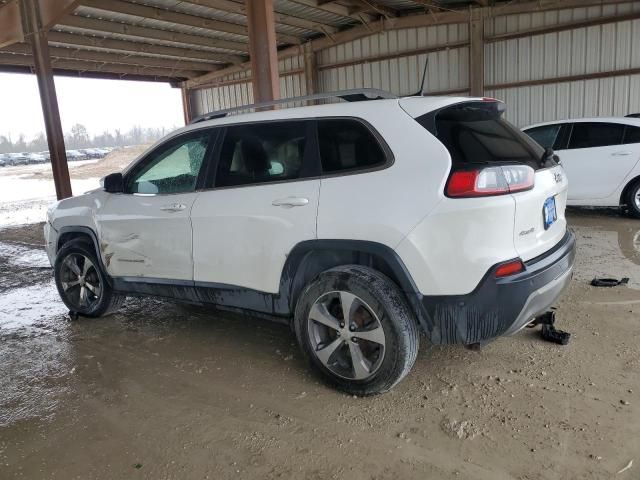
{"x": 82, "y": 285}
{"x": 633, "y": 200}
{"x": 356, "y": 329}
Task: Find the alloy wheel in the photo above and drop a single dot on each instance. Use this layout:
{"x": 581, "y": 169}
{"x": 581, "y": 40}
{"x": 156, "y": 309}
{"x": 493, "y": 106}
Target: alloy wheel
{"x": 346, "y": 335}
{"x": 80, "y": 281}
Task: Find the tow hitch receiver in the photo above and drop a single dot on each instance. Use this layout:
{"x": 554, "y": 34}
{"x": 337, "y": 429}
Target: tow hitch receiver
{"x": 549, "y": 332}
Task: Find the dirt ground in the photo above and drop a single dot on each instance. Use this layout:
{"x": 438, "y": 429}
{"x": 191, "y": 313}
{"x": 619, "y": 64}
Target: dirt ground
{"x": 162, "y": 391}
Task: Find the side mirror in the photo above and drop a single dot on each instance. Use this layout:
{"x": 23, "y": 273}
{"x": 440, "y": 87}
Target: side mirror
{"x": 113, "y": 183}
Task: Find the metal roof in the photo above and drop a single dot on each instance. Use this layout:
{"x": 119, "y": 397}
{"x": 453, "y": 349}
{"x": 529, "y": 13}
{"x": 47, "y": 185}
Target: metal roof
{"x": 155, "y": 39}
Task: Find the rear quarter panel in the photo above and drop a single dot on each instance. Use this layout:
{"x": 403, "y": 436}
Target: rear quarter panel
{"x": 385, "y": 205}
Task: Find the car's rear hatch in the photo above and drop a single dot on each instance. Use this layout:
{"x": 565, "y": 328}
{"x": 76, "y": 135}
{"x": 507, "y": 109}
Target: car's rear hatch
{"x": 478, "y": 138}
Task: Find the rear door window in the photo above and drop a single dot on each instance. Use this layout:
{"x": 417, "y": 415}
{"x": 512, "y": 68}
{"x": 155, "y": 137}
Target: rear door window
{"x": 476, "y": 133}
{"x": 263, "y": 152}
{"x": 595, "y": 134}
{"x": 348, "y": 145}
{"x": 631, "y": 134}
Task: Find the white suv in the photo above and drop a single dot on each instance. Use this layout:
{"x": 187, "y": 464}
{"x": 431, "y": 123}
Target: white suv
{"x": 360, "y": 224}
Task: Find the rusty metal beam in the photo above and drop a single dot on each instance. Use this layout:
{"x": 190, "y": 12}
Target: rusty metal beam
{"x": 310, "y": 70}
{"x": 111, "y": 58}
{"x": 263, "y": 50}
{"x": 10, "y": 24}
{"x": 55, "y": 138}
{"x": 139, "y": 47}
{"x": 476, "y": 56}
{"x": 186, "y": 105}
{"x": 81, "y": 66}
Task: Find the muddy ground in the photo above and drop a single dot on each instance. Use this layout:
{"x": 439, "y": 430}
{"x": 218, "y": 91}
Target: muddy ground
{"x": 161, "y": 391}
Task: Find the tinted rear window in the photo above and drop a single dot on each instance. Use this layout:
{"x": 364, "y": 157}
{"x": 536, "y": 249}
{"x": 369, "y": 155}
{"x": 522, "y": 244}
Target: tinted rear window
{"x": 631, "y": 134}
{"x": 476, "y": 133}
{"x": 595, "y": 134}
{"x": 347, "y": 145}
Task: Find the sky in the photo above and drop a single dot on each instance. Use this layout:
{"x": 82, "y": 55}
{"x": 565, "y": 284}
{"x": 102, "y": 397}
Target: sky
{"x": 97, "y": 104}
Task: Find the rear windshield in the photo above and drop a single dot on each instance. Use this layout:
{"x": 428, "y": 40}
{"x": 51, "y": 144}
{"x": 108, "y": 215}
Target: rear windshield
{"x": 476, "y": 133}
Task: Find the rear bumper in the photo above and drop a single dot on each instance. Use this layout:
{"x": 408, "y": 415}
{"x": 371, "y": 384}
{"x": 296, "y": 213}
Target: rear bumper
{"x": 500, "y": 306}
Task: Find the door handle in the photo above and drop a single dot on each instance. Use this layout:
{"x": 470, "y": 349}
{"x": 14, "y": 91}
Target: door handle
{"x": 174, "y": 207}
{"x": 290, "y": 202}
{"x": 621, "y": 154}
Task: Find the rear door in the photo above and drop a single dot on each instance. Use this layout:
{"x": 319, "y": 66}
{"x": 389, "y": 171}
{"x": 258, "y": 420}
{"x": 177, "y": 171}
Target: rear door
{"x": 262, "y": 200}
{"x": 596, "y": 160}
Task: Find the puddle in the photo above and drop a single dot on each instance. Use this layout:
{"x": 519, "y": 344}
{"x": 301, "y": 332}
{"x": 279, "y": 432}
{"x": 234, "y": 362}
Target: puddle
{"x": 608, "y": 245}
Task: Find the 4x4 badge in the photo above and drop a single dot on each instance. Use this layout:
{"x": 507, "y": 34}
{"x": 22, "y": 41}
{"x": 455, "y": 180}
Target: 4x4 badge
{"x": 557, "y": 176}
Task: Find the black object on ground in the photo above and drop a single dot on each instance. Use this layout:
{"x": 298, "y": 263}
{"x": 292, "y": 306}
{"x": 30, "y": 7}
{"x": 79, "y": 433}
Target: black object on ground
{"x": 609, "y": 282}
{"x": 549, "y": 331}
{"x": 73, "y": 316}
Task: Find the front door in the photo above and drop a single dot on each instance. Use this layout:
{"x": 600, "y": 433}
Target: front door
{"x": 263, "y": 202}
{"x": 146, "y": 230}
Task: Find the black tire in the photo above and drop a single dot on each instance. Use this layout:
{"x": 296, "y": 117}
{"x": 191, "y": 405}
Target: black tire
{"x": 107, "y": 301}
{"x": 383, "y": 298}
{"x": 631, "y": 199}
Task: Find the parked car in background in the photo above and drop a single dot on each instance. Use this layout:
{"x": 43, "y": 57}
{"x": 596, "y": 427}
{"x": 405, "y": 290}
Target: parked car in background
{"x": 359, "y": 224}
{"x": 46, "y": 155}
{"x": 601, "y": 157}
{"x": 18, "y": 158}
{"x": 2, "y": 161}
{"x": 34, "y": 158}
{"x": 73, "y": 155}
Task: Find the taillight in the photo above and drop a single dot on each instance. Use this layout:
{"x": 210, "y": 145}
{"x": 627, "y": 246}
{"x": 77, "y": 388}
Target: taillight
{"x": 510, "y": 268}
{"x": 483, "y": 182}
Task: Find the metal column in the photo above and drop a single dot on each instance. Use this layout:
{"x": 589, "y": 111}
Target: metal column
{"x": 476, "y": 54}
{"x": 37, "y": 37}
{"x": 263, "y": 50}
{"x": 186, "y": 105}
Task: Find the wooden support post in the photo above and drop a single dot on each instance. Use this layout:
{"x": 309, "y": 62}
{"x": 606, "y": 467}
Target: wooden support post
{"x": 37, "y": 36}
{"x": 476, "y": 54}
{"x": 186, "y": 105}
{"x": 263, "y": 50}
{"x": 310, "y": 69}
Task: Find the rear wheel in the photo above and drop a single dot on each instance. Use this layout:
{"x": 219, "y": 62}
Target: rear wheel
{"x": 356, "y": 330}
{"x": 82, "y": 285}
{"x": 633, "y": 200}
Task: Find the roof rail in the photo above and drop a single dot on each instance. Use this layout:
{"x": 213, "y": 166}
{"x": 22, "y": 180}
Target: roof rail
{"x": 354, "y": 95}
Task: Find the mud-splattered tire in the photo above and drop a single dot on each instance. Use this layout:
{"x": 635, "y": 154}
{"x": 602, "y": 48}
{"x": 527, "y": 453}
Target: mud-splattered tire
{"x": 355, "y": 328}
{"x": 82, "y": 285}
{"x": 633, "y": 200}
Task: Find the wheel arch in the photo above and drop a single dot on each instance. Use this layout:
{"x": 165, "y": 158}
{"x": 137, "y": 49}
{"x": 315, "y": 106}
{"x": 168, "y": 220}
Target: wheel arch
{"x": 627, "y": 187}
{"x": 79, "y": 232}
{"x": 309, "y": 259}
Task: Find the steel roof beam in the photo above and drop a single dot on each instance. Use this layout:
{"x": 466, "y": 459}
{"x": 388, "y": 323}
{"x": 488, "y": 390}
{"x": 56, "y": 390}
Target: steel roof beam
{"x": 128, "y": 59}
{"x": 73, "y": 39}
{"x": 97, "y": 25}
{"x": 119, "y": 6}
{"x": 11, "y": 59}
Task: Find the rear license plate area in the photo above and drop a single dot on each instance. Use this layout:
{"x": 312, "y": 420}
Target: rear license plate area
{"x": 549, "y": 213}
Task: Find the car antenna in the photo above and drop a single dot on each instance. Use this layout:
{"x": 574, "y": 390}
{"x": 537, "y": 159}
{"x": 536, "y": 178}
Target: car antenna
{"x": 423, "y": 83}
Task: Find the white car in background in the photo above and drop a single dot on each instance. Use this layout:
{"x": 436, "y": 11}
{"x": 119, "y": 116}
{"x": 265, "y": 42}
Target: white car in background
{"x": 601, "y": 157}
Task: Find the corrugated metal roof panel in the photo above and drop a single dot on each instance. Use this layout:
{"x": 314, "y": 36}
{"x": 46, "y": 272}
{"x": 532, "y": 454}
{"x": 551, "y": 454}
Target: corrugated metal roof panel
{"x": 310, "y": 13}
{"x": 158, "y": 24}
